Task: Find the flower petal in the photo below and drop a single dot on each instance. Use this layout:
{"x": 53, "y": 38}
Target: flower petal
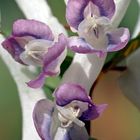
{"x": 106, "y": 7}
{"x": 52, "y": 61}
{"x": 79, "y": 45}
{"x": 93, "y": 112}
{"x": 77, "y": 9}
{"x": 37, "y": 82}
{"x": 78, "y": 133}
{"x": 42, "y": 116}
{"x": 74, "y": 12}
{"x": 67, "y": 93}
{"x": 55, "y": 56}
{"x": 32, "y": 28}
{"x": 118, "y": 39}
{"x": 62, "y": 134}
{"x": 91, "y": 10}
{"x": 35, "y": 51}
{"x": 14, "y": 48}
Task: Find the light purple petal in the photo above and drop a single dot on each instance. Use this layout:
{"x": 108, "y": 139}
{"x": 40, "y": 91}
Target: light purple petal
{"x": 79, "y": 45}
{"x": 75, "y": 12}
{"x": 14, "y": 48}
{"x": 62, "y": 134}
{"x": 42, "y": 116}
{"x": 78, "y": 133}
{"x": 76, "y": 8}
{"x": 32, "y": 28}
{"x": 51, "y": 62}
{"x": 70, "y": 92}
{"x": 37, "y": 82}
{"x": 118, "y": 39}
{"x": 54, "y": 52}
{"x": 106, "y": 7}
{"x": 93, "y": 112}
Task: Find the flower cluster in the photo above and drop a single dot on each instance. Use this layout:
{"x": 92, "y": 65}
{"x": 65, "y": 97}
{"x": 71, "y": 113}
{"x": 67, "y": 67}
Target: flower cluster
{"x": 33, "y": 43}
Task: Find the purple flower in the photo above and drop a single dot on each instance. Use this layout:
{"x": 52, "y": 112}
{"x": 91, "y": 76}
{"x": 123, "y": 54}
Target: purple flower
{"x": 64, "y": 118}
{"x": 32, "y": 43}
{"x": 91, "y": 19}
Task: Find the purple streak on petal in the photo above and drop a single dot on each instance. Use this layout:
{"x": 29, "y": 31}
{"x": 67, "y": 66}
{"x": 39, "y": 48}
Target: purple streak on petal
{"x": 42, "y": 117}
{"x": 75, "y": 10}
{"x": 118, "y": 39}
{"x": 79, "y": 45}
{"x": 106, "y": 7}
{"x": 46, "y": 127}
{"x": 51, "y": 57}
{"x": 13, "y": 47}
{"x": 69, "y": 92}
{"x": 23, "y": 40}
{"x": 93, "y": 112}
{"x": 32, "y": 28}
{"x": 37, "y": 82}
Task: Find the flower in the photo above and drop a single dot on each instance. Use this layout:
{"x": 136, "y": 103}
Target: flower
{"x": 64, "y": 117}
{"x": 32, "y": 43}
{"x": 91, "y": 19}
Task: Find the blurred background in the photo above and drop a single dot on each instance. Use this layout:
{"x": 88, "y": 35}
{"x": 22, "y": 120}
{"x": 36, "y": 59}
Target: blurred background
{"x": 121, "y": 121}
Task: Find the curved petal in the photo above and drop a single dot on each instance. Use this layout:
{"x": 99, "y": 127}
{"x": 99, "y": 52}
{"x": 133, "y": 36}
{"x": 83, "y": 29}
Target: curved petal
{"x": 42, "y": 116}
{"x": 62, "y": 134}
{"x": 55, "y": 56}
{"x": 118, "y": 39}
{"x": 77, "y": 9}
{"x": 32, "y": 28}
{"x": 37, "y": 82}
{"x": 78, "y": 133}
{"x": 75, "y": 12}
{"x": 14, "y": 48}
{"x": 67, "y": 93}
{"x": 52, "y": 61}
{"x": 93, "y": 112}
{"x": 106, "y": 7}
{"x": 79, "y": 45}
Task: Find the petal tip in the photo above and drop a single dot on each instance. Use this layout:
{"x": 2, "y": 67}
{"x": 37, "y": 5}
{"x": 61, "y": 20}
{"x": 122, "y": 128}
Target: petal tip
{"x": 101, "y": 108}
{"x": 38, "y": 82}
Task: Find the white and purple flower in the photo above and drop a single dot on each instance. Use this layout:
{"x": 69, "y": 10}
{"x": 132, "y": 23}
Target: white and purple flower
{"x": 91, "y": 19}
{"x": 64, "y": 118}
{"x": 33, "y": 43}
